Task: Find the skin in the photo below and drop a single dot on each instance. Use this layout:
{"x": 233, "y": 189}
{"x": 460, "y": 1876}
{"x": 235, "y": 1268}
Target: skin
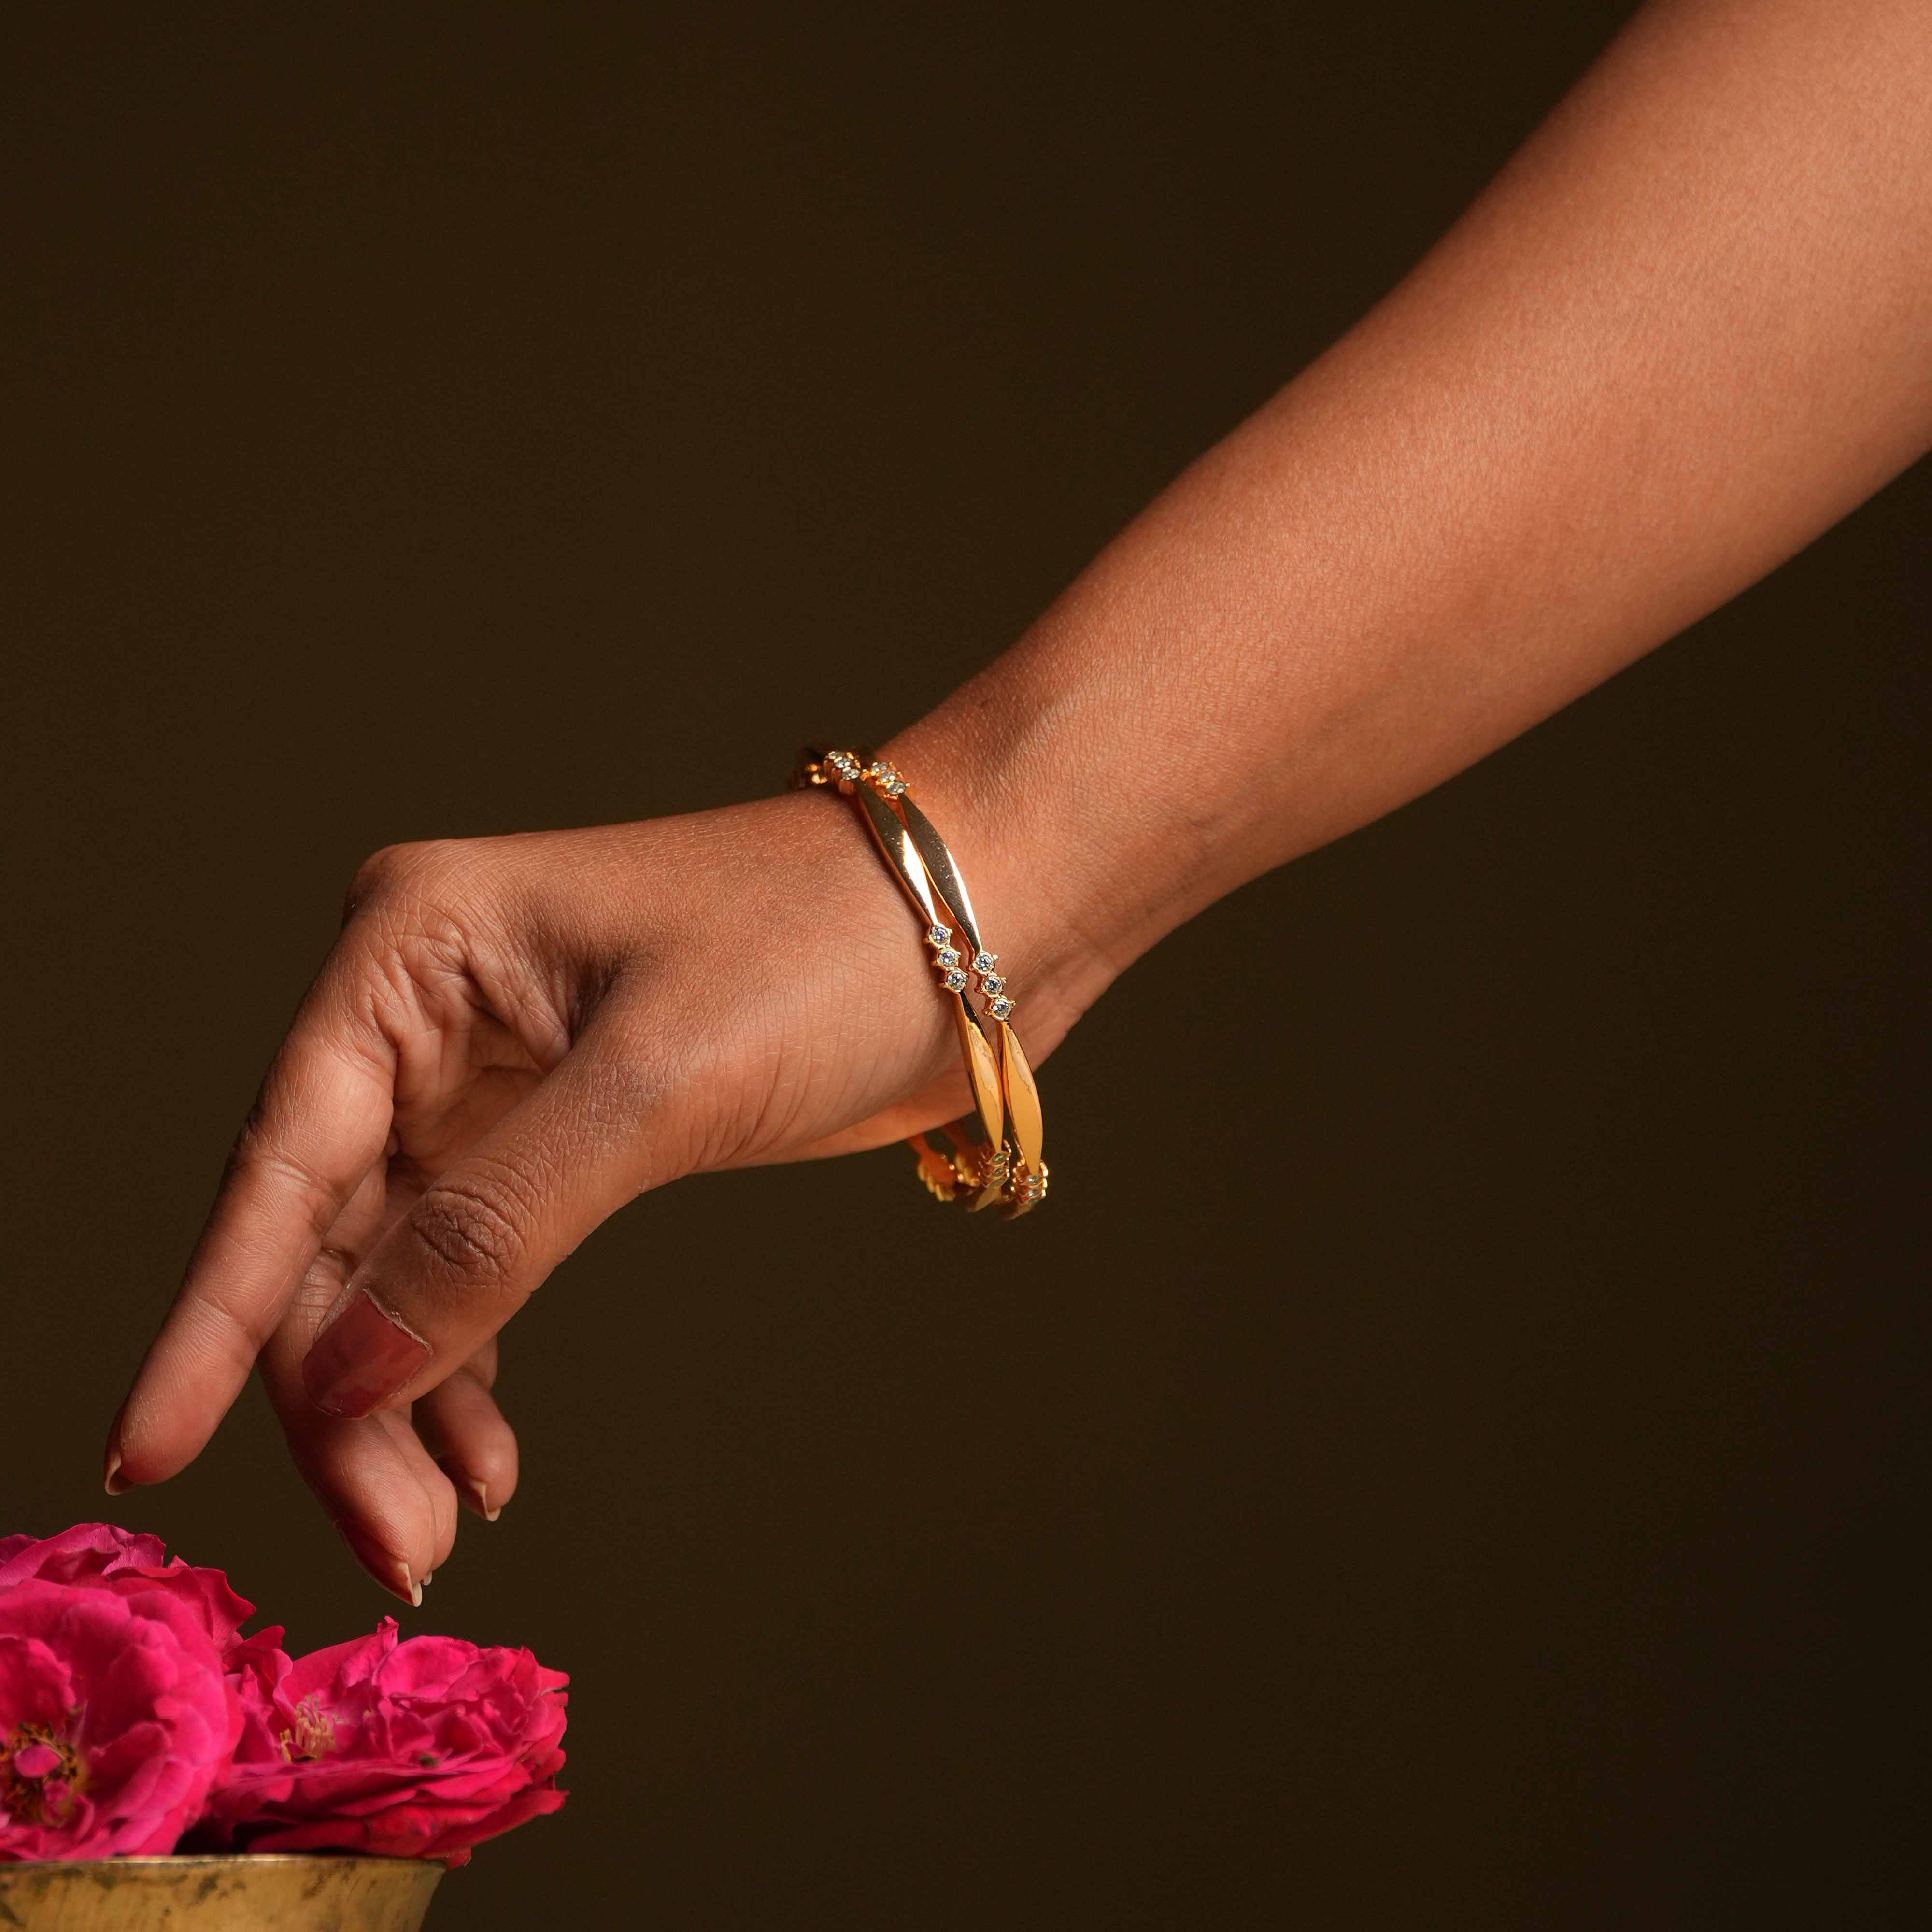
{"x": 1688, "y": 329}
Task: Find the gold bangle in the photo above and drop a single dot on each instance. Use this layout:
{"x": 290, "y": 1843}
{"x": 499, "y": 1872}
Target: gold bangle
{"x": 992, "y": 1155}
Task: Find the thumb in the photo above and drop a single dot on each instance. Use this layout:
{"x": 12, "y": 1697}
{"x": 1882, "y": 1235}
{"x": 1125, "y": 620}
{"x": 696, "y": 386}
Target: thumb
{"x": 485, "y": 1234}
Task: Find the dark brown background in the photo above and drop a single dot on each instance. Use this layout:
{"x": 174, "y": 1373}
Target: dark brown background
{"x": 1451, "y": 1453}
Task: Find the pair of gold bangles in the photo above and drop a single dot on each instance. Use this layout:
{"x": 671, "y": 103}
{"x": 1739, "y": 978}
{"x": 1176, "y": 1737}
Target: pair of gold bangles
{"x": 991, "y": 1157}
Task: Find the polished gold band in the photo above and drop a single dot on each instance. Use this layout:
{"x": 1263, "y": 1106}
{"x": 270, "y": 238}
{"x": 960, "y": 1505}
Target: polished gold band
{"x": 991, "y": 1156}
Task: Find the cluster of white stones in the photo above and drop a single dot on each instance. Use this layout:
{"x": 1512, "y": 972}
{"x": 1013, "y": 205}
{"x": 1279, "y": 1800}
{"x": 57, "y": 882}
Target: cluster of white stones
{"x": 945, "y": 957}
{"x": 998, "y": 1002}
{"x": 1029, "y": 1187}
{"x": 886, "y": 776}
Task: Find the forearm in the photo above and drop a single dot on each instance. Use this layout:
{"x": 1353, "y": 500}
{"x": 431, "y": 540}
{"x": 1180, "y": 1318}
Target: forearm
{"x": 1686, "y": 330}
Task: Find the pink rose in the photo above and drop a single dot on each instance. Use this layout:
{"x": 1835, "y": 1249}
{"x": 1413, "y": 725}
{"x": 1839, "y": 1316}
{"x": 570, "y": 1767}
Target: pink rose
{"x": 115, "y": 1719}
{"x": 99, "y": 1556}
{"x": 418, "y": 1750}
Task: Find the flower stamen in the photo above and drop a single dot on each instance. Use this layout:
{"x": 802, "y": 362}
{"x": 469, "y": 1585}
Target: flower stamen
{"x": 42, "y": 1776}
{"x": 313, "y": 1734}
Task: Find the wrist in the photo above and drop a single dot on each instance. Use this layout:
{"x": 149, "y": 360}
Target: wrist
{"x": 994, "y": 792}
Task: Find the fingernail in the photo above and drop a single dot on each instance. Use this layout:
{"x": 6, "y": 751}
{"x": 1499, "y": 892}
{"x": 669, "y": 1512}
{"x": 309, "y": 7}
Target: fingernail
{"x": 111, "y": 1480}
{"x": 387, "y": 1569}
{"x": 475, "y": 1493}
{"x": 360, "y": 1359}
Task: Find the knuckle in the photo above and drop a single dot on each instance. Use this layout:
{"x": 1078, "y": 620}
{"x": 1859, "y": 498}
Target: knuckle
{"x": 475, "y": 1228}
{"x": 248, "y": 1328}
{"x": 257, "y": 1151}
{"x": 396, "y": 869}
{"x": 229, "y": 1329}
{"x": 374, "y": 876}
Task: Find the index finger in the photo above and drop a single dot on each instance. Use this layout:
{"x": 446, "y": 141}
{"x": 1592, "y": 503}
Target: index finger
{"x": 321, "y": 1121}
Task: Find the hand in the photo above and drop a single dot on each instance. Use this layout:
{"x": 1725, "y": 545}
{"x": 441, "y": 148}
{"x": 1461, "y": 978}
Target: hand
{"x": 1682, "y": 334}
{"x": 511, "y": 1038}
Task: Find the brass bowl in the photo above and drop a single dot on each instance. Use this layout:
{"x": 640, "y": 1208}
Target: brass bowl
{"x": 272, "y": 1893}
